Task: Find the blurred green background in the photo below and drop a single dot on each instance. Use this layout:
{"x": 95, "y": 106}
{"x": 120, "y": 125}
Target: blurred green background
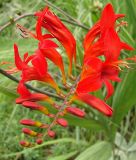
{"x": 93, "y": 138}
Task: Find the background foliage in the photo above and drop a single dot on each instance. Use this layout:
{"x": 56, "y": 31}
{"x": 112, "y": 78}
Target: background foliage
{"x": 93, "y": 138}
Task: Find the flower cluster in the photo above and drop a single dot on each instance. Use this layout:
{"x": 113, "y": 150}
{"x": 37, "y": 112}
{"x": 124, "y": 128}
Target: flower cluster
{"x": 101, "y": 65}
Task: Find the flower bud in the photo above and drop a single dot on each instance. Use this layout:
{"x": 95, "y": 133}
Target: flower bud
{"x": 25, "y": 143}
{"x": 39, "y": 141}
{"x": 35, "y": 106}
{"x": 29, "y": 132}
{"x": 62, "y": 122}
{"x": 30, "y": 122}
{"x": 76, "y": 111}
{"x": 27, "y": 122}
{"x": 51, "y": 134}
{"x": 31, "y": 105}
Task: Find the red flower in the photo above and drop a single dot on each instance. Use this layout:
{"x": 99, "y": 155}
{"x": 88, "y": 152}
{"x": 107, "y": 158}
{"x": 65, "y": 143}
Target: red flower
{"x": 108, "y": 43}
{"x": 48, "y": 47}
{"x": 96, "y": 73}
{"x": 59, "y": 31}
{"x": 38, "y": 70}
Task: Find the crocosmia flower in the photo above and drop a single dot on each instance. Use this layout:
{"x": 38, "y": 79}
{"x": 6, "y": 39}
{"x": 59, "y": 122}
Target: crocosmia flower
{"x": 37, "y": 71}
{"x": 100, "y": 69}
{"x": 59, "y": 31}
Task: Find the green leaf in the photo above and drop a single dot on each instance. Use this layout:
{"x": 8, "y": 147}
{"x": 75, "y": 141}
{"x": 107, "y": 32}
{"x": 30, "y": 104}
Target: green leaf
{"x": 130, "y": 6}
{"x": 124, "y": 97}
{"x": 8, "y": 92}
{"x": 64, "y": 157}
{"x": 132, "y": 156}
{"x": 86, "y": 123}
{"x": 98, "y": 151}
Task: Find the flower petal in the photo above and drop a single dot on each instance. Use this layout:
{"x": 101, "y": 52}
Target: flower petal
{"x": 109, "y": 87}
{"x": 18, "y": 61}
{"x": 89, "y": 84}
{"x": 96, "y": 103}
{"x": 56, "y": 58}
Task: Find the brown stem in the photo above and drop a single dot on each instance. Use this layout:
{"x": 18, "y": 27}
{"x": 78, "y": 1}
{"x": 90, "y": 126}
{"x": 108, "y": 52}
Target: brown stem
{"x": 75, "y": 24}
{"x": 14, "y": 20}
{"x": 62, "y": 107}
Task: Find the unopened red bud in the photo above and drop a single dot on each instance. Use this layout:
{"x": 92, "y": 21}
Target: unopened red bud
{"x": 39, "y": 141}
{"x": 31, "y": 105}
{"x": 51, "y": 115}
{"x": 35, "y": 106}
{"x": 27, "y": 122}
{"x": 75, "y": 111}
{"x": 25, "y": 143}
{"x": 51, "y": 134}
{"x": 62, "y": 122}
{"x": 29, "y": 132}
{"x": 30, "y": 122}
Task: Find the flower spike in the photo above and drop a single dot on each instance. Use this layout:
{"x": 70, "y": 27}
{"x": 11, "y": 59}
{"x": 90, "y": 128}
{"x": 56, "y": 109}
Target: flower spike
{"x": 101, "y": 68}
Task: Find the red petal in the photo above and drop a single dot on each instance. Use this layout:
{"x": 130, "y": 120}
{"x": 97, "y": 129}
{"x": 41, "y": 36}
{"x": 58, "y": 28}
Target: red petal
{"x": 91, "y": 35}
{"x": 47, "y": 44}
{"x": 108, "y": 17}
{"x": 23, "y": 91}
{"x": 94, "y": 50}
{"x": 109, "y": 87}
{"x": 119, "y": 16}
{"x": 96, "y": 103}
{"x": 39, "y": 23}
{"x": 56, "y": 58}
{"x": 48, "y": 79}
{"x": 46, "y": 36}
{"x": 40, "y": 64}
{"x": 89, "y": 84}
{"x": 126, "y": 46}
{"x": 18, "y": 61}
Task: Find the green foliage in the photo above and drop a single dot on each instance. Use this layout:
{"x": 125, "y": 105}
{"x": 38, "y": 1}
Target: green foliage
{"x": 100, "y": 149}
